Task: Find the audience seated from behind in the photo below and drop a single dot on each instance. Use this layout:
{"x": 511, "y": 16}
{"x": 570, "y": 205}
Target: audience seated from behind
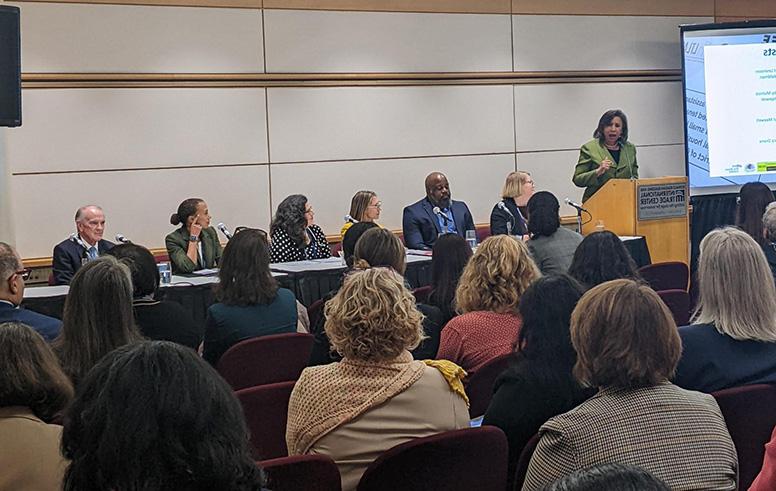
{"x": 13, "y": 275}
{"x": 377, "y": 396}
{"x": 158, "y": 320}
{"x": 753, "y": 198}
{"x": 250, "y": 302}
{"x": 193, "y": 246}
{"x": 33, "y": 389}
{"x": 628, "y": 347}
{"x": 487, "y": 297}
{"x": 294, "y": 235}
{"x": 507, "y": 216}
{"x": 551, "y": 246}
{"x": 732, "y": 340}
{"x": 450, "y": 254}
{"x": 600, "y": 257}
{"x": 769, "y": 232}
{"x": 153, "y": 415}
{"x": 97, "y": 317}
{"x": 364, "y": 207}
{"x": 609, "y": 477}
{"x": 766, "y": 479}
{"x": 539, "y": 384}
{"x": 85, "y": 245}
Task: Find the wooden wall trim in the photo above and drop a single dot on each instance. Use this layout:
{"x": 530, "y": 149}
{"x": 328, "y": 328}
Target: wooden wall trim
{"x": 416, "y": 6}
{"x": 750, "y": 9}
{"x": 240, "y": 4}
{"x": 669, "y": 8}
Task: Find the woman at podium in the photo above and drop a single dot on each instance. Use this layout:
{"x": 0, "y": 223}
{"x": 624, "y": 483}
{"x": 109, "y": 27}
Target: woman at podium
{"x": 609, "y": 155}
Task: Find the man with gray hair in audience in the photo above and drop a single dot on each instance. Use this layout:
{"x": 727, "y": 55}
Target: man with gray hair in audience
{"x": 12, "y": 276}
{"x": 769, "y": 232}
{"x": 85, "y": 245}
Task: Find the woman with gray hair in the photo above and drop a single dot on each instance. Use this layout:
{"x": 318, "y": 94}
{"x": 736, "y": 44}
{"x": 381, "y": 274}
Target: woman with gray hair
{"x": 769, "y": 233}
{"x": 732, "y": 340}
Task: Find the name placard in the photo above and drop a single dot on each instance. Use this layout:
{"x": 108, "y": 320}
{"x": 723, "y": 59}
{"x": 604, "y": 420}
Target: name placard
{"x": 656, "y": 201}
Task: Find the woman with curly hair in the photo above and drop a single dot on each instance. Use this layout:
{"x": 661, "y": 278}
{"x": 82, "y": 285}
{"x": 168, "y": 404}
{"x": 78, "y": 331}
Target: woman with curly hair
{"x": 376, "y": 397}
{"x": 601, "y": 257}
{"x": 487, "y": 297}
{"x": 294, "y": 235}
{"x": 154, "y": 415}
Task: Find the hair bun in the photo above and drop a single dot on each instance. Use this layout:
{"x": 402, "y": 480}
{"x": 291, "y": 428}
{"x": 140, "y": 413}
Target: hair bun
{"x": 361, "y": 264}
{"x": 174, "y": 219}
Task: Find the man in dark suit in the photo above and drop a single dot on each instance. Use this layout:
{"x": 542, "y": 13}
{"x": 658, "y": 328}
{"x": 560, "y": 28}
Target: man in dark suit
{"x": 84, "y": 246}
{"x": 12, "y": 276}
{"x": 435, "y": 214}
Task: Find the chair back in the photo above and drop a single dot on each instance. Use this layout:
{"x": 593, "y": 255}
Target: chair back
{"x": 472, "y": 458}
{"x": 521, "y": 469}
{"x": 421, "y": 293}
{"x": 302, "y": 473}
{"x": 678, "y": 302}
{"x": 750, "y": 415}
{"x": 266, "y": 411}
{"x": 315, "y": 311}
{"x": 671, "y": 275}
{"x": 479, "y": 387}
{"x": 266, "y": 360}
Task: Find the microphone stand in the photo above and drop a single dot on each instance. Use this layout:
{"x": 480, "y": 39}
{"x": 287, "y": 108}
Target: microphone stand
{"x": 579, "y": 220}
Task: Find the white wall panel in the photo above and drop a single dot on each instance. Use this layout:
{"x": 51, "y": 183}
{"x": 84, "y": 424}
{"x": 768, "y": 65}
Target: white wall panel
{"x": 564, "y": 116}
{"x": 313, "y": 124}
{"x": 661, "y": 160}
{"x": 330, "y": 186}
{"x": 317, "y": 41}
{"x": 586, "y": 42}
{"x": 146, "y": 39}
{"x": 84, "y": 129}
{"x": 137, "y": 204}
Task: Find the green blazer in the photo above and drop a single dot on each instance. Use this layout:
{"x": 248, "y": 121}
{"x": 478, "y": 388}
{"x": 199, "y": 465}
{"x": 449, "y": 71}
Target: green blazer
{"x": 591, "y": 155}
{"x": 178, "y": 241}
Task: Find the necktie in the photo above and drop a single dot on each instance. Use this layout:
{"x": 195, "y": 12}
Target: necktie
{"x": 92, "y": 253}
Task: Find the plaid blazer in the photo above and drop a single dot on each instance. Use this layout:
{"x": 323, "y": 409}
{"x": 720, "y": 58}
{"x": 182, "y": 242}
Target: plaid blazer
{"x": 677, "y": 435}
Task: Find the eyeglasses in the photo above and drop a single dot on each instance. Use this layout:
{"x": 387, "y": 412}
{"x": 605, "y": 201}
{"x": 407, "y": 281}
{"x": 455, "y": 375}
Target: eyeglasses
{"x": 24, "y": 273}
{"x": 377, "y": 205}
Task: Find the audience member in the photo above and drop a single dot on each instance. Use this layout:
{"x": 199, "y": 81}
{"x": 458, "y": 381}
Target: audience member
{"x": 450, "y": 254}
{"x": 250, "y": 303}
{"x": 33, "y": 389}
{"x": 350, "y": 238}
{"x": 153, "y": 415}
{"x": 628, "y": 347}
{"x": 97, "y": 316}
{"x": 609, "y": 477}
{"x": 732, "y": 340}
{"x": 159, "y": 320}
{"x": 601, "y": 257}
{"x": 539, "y": 384}
{"x": 753, "y": 198}
{"x": 487, "y": 297}
{"x": 435, "y": 214}
{"x": 294, "y": 235}
{"x": 766, "y": 479}
{"x": 364, "y": 207}
{"x": 193, "y": 246}
{"x": 769, "y": 226}
{"x": 551, "y": 246}
{"x": 506, "y": 217}
{"x": 85, "y": 245}
{"x": 13, "y": 275}
{"x": 377, "y": 396}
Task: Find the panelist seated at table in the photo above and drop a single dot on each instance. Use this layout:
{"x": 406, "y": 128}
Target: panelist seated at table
{"x": 364, "y": 207}
{"x": 435, "y": 214}
{"x": 294, "y": 235}
{"x": 13, "y": 274}
{"x": 507, "y": 216}
{"x": 84, "y": 245}
{"x": 194, "y": 246}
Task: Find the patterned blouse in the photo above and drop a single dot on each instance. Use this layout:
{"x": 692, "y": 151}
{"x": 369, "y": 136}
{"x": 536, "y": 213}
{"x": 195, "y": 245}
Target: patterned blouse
{"x": 284, "y": 250}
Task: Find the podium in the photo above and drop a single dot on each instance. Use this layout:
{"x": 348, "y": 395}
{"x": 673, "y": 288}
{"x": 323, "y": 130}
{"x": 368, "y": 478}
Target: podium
{"x": 655, "y": 208}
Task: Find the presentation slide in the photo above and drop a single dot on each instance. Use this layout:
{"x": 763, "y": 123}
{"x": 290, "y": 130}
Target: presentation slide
{"x": 730, "y": 105}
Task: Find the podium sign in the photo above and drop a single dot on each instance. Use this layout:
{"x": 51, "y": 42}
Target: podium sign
{"x": 658, "y": 201}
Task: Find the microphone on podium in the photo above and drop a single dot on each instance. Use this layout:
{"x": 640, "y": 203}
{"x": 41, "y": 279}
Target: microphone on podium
{"x": 224, "y": 231}
{"x": 575, "y": 205}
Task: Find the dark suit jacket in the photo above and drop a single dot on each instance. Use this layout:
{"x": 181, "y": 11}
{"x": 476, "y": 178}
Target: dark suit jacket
{"x": 48, "y": 327}
{"x": 68, "y": 256}
{"x": 178, "y": 241}
{"x": 421, "y": 226}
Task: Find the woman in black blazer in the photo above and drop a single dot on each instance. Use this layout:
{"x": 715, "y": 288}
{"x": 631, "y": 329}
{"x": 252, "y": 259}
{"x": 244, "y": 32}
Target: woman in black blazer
{"x": 507, "y": 216}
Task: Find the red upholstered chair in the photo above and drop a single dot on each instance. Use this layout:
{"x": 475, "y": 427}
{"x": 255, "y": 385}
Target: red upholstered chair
{"x": 750, "y": 415}
{"x": 483, "y": 232}
{"x": 421, "y": 293}
{"x": 335, "y": 248}
{"x": 266, "y": 411}
{"x": 315, "y": 311}
{"x": 468, "y": 459}
{"x": 302, "y": 473}
{"x": 522, "y": 463}
{"x": 266, "y": 360}
{"x": 672, "y": 275}
{"x": 678, "y": 301}
{"x": 479, "y": 387}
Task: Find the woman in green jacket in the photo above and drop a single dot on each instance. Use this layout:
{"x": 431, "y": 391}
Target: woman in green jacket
{"x": 609, "y": 155}
{"x": 194, "y": 245}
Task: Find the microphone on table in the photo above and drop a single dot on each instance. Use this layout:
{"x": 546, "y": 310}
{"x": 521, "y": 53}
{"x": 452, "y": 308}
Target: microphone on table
{"x": 575, "y": 205}
{"x": 122, "y": 239}
{"x": 439, "y": 213}
{"x": 503, "y": 207}
{"x": 225, "y": 231}
{"x": 350, "y": 219}
{"x": 75, "y": 238}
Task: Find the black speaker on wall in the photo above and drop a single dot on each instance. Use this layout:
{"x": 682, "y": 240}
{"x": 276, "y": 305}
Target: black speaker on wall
{"x": 10, "y": 67}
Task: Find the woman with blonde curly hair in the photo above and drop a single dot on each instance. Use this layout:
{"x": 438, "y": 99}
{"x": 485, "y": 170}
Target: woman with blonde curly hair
{"x": 377, "y": 396}
{"x": 487, "y": 297}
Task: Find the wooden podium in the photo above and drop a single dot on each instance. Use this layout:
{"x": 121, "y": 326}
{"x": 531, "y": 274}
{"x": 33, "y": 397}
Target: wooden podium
{"x": 655, "y": 208}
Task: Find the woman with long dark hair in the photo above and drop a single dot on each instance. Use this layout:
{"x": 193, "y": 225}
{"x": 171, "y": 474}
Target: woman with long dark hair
{"x": 450, "y": 254}
{"x": 601, "y": 257}
{"x": 753, "y": 198}
{"x": 294, "y": 235}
